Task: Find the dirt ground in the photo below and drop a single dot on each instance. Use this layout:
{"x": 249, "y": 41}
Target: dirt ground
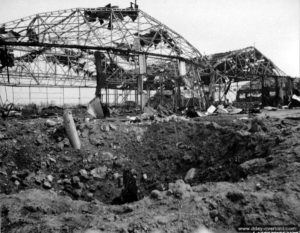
{"x": 217, "y": 171}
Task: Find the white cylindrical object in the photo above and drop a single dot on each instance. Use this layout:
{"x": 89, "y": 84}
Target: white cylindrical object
{"x": 71, "y": 129}
{"x": 182, "y": 68}
{"x": 142, "y": 64}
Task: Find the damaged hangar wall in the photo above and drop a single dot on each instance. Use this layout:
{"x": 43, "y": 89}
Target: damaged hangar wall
{"x": 60, "y": 96}
{"x": 58, "y": 49}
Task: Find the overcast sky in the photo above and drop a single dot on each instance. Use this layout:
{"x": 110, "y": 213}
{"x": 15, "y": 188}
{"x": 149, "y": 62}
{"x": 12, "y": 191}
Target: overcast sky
{"x": 212, "y": 26}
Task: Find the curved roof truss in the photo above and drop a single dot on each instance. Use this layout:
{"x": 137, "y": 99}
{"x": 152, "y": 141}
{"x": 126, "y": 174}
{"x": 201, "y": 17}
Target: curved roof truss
{"x": 56, "y": 48}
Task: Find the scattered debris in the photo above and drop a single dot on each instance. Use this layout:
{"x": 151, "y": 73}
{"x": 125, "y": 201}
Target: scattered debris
{"x": 180, "y": 189}
{"x": 112, "y": 127}
{"x": 156, "y": 194}
{"x": 47, "y": 185}
{"x": 190, "y": 175}
{"x": 251, "y": 166}
{"x": 95, "y": 108}
{"x": 211, "y": 110}
{"x": 50, "y": 123}
{"x": 50, "y": 178}
{"x": 270, "y": 108}
{"x": 221, "y": 109}
{"x": 83, "y": 173}
{"x": 105, "y": 128}
{"x": 99, "y": 172}
{"x": 145, "y": 177}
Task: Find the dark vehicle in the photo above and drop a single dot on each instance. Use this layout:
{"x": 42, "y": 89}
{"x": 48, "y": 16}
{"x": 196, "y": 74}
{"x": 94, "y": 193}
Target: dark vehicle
{"x": 250, "y": 97}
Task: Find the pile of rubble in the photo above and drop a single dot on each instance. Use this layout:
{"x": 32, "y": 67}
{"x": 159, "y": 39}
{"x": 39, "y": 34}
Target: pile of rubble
{"x": 150, "y": 163}
{"x": 38, "y": 153}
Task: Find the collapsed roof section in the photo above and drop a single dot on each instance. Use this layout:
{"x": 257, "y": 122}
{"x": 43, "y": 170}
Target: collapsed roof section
{"x": 57, "y": 47}
{"x": 243, "y": 64}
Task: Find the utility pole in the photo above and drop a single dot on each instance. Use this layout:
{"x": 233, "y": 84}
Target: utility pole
{"x": 7, "y": 66}
{"x": 100, "y": 77}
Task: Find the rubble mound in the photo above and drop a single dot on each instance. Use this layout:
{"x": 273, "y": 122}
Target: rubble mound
{"x": 213, "y": 161}
{"x": 159, "y": 153}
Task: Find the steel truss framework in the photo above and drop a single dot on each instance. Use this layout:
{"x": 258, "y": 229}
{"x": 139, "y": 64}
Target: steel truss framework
{"x": 244, "y": 63}
{"x": 247, "y": 64}
{"x": 57, "y": 48}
